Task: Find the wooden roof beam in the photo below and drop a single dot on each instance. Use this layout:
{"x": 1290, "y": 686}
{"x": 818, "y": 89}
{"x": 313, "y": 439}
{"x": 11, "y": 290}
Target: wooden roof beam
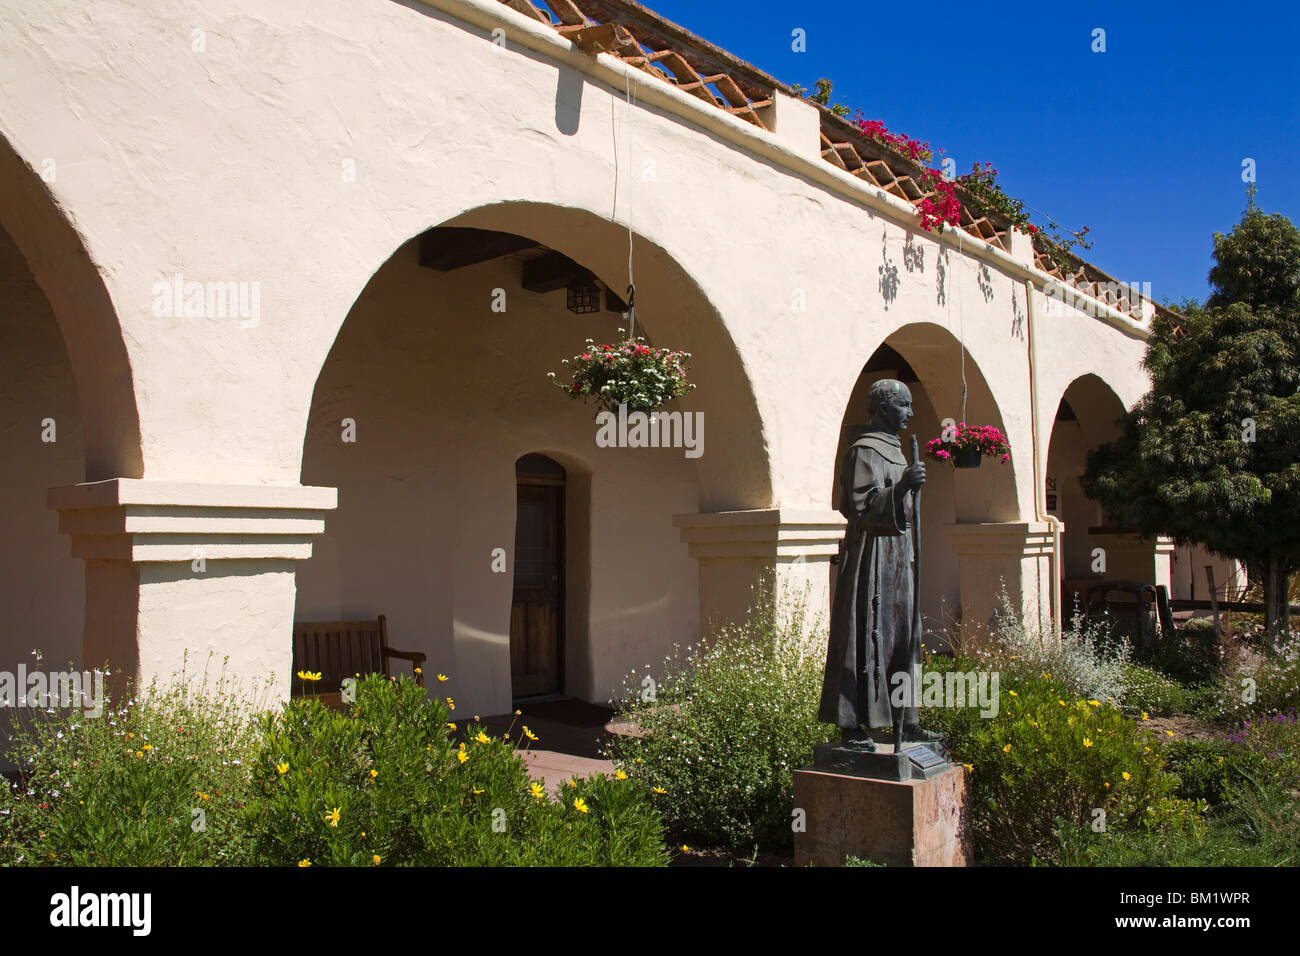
{"x": 552, "y": 271}
{"x": 453, "y": 247}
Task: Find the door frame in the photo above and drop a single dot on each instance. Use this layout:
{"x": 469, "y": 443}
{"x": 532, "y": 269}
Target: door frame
{"x": 561, "y": 547}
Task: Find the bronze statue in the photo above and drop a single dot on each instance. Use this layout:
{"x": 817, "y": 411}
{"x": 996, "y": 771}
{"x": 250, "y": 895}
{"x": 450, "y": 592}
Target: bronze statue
{"x": 875, "y": 636}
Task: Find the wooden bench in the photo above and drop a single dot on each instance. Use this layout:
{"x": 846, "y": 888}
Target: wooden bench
{"x": 342, "y": 649}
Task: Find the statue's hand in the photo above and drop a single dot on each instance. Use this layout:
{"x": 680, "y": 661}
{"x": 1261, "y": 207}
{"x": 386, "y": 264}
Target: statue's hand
{"x": 913, "y": 476}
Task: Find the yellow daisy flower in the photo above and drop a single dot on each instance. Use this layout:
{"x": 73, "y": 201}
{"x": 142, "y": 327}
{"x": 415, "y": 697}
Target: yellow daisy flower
{"x": 580, "y": 805}
{"x": 332, "y": 818}
{"x": 481, "y": 737}
{"x": 1087, "y": 742}
{"x": 537, "y": 790}
{"x": 659, "y": 790}
{"x": 304, "y": 862}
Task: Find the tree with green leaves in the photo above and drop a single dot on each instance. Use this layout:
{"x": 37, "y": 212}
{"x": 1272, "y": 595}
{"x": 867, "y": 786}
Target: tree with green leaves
{"x": 1211, "y": 455}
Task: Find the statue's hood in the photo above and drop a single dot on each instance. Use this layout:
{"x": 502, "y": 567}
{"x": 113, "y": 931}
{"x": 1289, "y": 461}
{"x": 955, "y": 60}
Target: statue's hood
{"x": 883, "y": 442}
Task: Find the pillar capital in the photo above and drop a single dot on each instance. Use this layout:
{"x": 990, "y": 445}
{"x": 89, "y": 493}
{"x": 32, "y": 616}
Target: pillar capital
{"x": 780, "y": 533}
{"x": 1006, "y": 538}
{"x": 138, "y": 520}
{"x": 735, "y": 548}
{"x": 1017, "y": 556}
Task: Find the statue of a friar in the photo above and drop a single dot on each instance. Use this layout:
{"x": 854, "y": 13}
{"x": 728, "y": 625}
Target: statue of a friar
{"x": 872, "y": 645}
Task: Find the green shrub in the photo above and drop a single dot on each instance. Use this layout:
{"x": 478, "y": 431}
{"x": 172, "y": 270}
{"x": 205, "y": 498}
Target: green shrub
{"x": 1086, "y": 660}
{"x": 728, "y": 724}
{"x": 1212, "y": 770}
{"x": 1262, "y": 684}
{"x": 1151, "y": 691}
{"x": 1259, "y": 826}
{"x": 386, "y": 783}
{"x": 1249, "y": 781}
{"x": 1047, "y": 761}
{"x": 1190, "y": 654}
{"x": 158, "y": 781}
{"x": 186, "y": 777}
{"x": 1275, "y": 740}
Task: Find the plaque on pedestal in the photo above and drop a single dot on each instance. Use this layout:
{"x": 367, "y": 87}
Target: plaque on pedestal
{"x": 918, "y": 761}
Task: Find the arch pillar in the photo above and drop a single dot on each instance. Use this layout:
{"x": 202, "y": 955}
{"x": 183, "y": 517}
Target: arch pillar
{"x": 176, "y": 571}
{"x": 1015, "y": 553}
{"x": 1131, "y": 556}
{"x": 735, "y": 547}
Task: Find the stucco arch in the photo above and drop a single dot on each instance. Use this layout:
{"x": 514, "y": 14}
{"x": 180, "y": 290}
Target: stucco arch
{"x": 935, "y": 355}
{"x": 1097, "y": 406}
{"x": 1085, "y": 416}
{"x": 673, "y": 310}
{"x": 47, "y": 236}
{"x": 929, "y": 359}
{"x": 446, "y": 394}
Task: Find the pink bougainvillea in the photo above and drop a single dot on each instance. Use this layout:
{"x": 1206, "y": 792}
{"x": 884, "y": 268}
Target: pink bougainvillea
{"x": 876, "y": 130}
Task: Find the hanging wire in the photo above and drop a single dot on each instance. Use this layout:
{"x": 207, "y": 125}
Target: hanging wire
{"x": 631, "y": 281}
{"x": 961, "y": 317}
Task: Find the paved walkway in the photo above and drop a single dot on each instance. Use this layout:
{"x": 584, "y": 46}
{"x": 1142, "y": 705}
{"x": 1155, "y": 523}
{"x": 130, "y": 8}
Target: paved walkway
{"x": 571, "y": 734}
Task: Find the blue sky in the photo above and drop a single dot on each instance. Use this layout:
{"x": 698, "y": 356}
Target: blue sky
{"x": 1143, "y": 143}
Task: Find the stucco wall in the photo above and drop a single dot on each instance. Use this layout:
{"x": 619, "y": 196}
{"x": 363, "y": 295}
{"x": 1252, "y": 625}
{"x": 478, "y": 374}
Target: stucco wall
{"x": 241, "y": 148}
{"x": 296, "y": 145}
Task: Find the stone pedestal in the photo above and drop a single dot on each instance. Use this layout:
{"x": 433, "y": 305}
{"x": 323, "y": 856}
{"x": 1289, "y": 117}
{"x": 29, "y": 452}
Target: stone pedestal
{"x": 895, "y": 822}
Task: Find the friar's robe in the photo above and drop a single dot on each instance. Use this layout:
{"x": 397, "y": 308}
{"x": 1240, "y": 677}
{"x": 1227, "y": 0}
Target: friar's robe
{"x": 875, "y": 562}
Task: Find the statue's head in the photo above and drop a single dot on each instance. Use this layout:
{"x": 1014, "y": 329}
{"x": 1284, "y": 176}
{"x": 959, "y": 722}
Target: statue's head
{"x": 890, "y": 404}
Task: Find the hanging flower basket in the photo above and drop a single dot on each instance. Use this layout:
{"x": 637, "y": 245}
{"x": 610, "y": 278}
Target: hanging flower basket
{"x": 627, "y": 373}
{"x": 969, "y": 446}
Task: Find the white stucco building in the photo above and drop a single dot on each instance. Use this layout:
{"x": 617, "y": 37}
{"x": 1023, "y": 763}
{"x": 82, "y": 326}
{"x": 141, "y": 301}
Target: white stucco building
{"x": 179, "y": 475}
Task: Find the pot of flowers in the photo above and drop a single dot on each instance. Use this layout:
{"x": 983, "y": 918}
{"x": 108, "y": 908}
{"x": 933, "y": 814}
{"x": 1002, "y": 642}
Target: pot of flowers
{"x": 629, "y": 372}
{"x": 969, "y": 445}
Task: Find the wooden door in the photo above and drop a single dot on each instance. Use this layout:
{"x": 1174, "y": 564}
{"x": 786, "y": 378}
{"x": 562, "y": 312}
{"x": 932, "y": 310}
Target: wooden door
{"x": 536, "y": 614}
